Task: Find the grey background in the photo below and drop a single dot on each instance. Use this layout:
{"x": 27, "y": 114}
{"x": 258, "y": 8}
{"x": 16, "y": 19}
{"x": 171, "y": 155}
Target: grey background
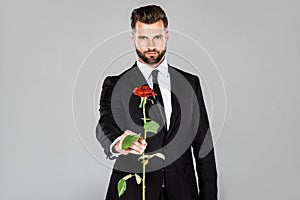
{"x": 255, "y": 44}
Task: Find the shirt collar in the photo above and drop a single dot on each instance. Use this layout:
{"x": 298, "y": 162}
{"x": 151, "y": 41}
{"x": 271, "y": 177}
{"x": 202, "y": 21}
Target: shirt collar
{"x": 147, "y": 70}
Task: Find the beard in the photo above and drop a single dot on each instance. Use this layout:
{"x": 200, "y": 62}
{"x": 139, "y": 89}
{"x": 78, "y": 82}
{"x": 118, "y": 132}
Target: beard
{"x": 151, "y": 60}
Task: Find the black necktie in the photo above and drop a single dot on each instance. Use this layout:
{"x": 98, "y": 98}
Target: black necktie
{"x": 159, "y": 99}
{"x": 156, "y": 89}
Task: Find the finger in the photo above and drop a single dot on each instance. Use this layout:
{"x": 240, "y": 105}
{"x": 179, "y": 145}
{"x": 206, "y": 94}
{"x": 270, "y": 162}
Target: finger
{"x": 136, "y": 148}
{"x": 133, "y": 151}
{"x": 142, "y": 141}
{"x": 140, "y": 145}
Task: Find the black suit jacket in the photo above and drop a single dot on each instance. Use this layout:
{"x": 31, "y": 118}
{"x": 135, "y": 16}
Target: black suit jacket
{"x": 188, "y": 130}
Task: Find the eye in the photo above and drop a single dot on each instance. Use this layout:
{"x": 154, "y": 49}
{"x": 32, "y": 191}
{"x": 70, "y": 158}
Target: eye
{"x": 158, "y": 37}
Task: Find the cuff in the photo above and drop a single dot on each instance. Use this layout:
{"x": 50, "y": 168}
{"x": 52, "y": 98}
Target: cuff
{"x": 113, "y": 153}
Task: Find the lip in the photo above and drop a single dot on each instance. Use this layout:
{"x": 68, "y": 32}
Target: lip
{"x": 151, "y": 53}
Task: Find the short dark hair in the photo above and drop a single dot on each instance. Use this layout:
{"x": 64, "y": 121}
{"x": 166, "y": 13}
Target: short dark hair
{"x": 148, "y": 15}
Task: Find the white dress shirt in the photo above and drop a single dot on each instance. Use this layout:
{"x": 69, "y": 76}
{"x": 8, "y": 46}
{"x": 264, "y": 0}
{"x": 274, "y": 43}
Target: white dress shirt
{"x": 164, "y": 82}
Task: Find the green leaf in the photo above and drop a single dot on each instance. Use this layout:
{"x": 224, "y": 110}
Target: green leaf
{"x": 145, "y": 158}
{"x": 151, "y": 126}
{"x": 128, "y": 140}
{"x": 151, "y": 101}
{"x": 121, "y": 187}
{"x": 160, "y": 155}
{"x": 127, "y": 177}
{"x": 138, "y": 179}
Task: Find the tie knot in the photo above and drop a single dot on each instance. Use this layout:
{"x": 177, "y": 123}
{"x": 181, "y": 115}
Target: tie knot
{"x": 154, "y": 75}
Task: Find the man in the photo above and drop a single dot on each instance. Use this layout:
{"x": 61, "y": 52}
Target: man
{"x": 179, "y": 110}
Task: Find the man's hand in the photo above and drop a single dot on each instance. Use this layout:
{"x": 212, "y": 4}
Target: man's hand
{"x": 137, "y": 147}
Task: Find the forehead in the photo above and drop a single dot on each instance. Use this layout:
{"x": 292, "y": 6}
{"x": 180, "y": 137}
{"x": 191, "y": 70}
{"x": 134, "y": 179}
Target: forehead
{"x": 150, "y": 31}
{"x": 141, "y": 25}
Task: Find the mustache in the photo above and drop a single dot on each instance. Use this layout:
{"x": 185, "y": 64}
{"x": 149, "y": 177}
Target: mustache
{"x": 152, "y": 51}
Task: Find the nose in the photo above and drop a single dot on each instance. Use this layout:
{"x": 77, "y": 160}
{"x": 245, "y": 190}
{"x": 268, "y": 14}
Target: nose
{"x": 151, "y": 43}
{"x": 152, "y": 49}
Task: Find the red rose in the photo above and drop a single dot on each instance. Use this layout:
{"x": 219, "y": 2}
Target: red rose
{"x": 144, "y": 91}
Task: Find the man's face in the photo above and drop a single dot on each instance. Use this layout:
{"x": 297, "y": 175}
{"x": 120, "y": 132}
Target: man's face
{"x": 150, "y": 41}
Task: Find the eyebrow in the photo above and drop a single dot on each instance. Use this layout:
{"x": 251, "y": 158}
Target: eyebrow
{"x": 158, "y": 35}
{"x": 142, "y": 36}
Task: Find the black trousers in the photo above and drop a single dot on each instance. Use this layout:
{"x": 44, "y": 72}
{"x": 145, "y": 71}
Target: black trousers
{"x": 163, "y": 194}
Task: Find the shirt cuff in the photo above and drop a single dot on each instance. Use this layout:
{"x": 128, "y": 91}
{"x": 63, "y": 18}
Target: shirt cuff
{"x": 114, "y": 154}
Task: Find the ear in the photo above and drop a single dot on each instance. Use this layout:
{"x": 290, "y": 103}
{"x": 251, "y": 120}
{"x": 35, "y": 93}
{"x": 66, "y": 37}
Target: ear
{"x": 132, "y": 37}
{"x": 167, "y": 35}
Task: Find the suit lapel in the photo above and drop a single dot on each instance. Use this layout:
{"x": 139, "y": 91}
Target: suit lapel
{"x": 136, "y": 78}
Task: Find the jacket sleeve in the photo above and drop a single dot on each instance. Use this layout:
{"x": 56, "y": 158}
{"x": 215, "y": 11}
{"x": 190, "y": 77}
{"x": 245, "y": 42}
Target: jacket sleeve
{"x": 107, "y": 129}
{"x": 204, "y": 153}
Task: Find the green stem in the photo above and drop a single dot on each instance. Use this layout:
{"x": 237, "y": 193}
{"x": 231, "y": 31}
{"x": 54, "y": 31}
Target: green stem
{"x": 144, "y": 110}
{"x": 145, "y": 137}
